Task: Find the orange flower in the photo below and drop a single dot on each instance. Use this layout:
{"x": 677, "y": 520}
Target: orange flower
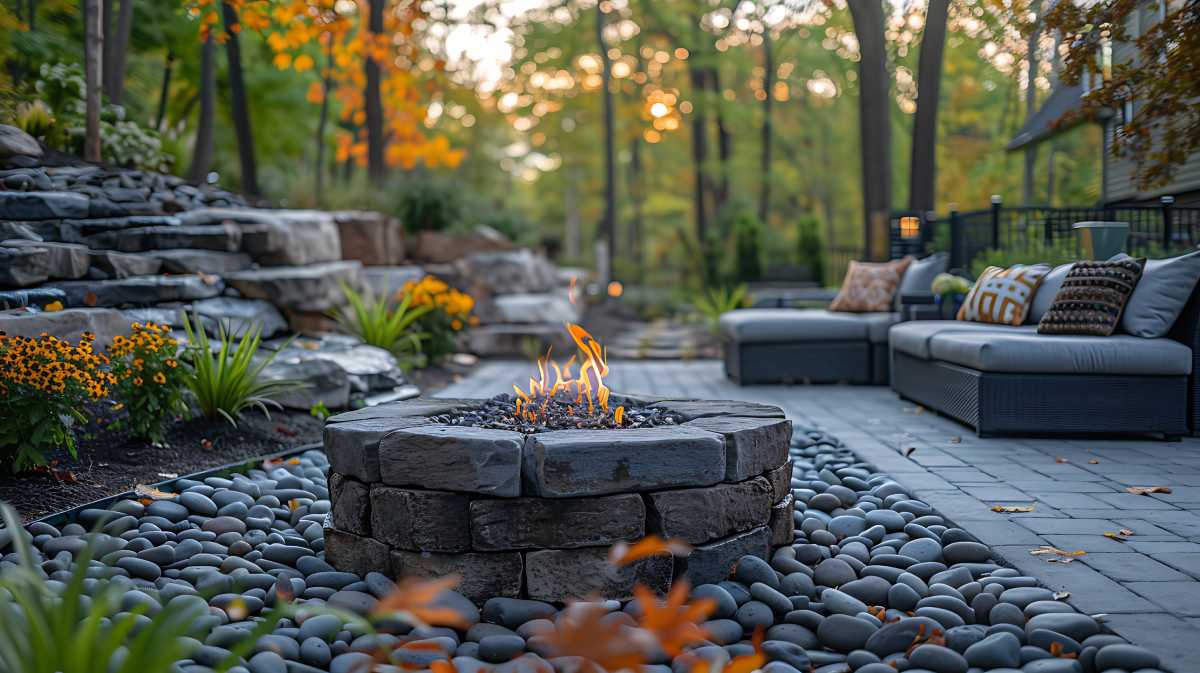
{"x": 160, "y": 378}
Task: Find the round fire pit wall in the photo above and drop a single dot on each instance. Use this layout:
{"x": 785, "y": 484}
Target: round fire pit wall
{"x": 534, "y": 516}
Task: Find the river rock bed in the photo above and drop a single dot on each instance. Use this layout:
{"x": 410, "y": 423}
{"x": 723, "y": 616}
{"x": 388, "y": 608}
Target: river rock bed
{"x": 875, "y": 582}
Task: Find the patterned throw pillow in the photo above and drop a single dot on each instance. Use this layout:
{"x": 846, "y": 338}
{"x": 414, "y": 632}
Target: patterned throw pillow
{"x": 1092, "y": 297}
{"x": 870, "y": 286}
{"x": 1003, "y": 296}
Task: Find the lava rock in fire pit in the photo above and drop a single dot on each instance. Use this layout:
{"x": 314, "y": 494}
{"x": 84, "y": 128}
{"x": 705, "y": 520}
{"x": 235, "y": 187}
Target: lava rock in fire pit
{"x": 560, "y": 412}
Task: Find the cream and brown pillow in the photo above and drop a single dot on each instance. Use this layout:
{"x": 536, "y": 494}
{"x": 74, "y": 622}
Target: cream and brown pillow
{"x": 1003, "y": 296}
{"x": 870, "y": 286}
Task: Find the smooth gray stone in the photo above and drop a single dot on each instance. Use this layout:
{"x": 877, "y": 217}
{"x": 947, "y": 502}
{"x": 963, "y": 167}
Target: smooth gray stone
{"x": 1023, "y": 596}
{"x": 837, "y": 602}
{"x": 315, "y": 652}
{"x": 513, "y": 612}
{"x": 753, "y": 615}
{"x": 266, "y": 662}
{"x": 723, "y": 631}
{"x": 778, "y": 603}
{"x": 898, "y": 636}
{"x": 844, "y": 633}
{"x": 870, "y": 590}
{"x": 1077, "y": 626}
{"x": 1128, "y": 657}
{"x": 1006, "y": 613}
{"x": 795, "y": 634}
{"x": 966, "y": 552}
{"x": 922, "y": 549}
{"x": 999, "y": 650}
{"x": 937, "y": 659}
{"x": 791, "y": 654}
{"x": 725, "y": 605}
{"x": 834, "y": 573}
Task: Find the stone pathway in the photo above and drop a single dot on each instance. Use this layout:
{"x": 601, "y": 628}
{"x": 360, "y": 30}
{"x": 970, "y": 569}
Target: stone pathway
{"x": 1146, "y": 586}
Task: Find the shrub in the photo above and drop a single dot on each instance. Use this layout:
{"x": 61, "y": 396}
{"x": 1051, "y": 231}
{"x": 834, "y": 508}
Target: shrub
{"x": 450, "y": 313}
{"x": 429, "y": 205}
{"x": 714, "y": 302}
{"x": 149, "y": 384}
{"x": 1034, "y": 251}
{"x": 225, "y": 382}
{"x": 36, "y": 119}
{"x": 748, "y": 233}
{"x": 385, "y": 321}
{"x": 44, "y": 385}
{"x": 809, "y": 248}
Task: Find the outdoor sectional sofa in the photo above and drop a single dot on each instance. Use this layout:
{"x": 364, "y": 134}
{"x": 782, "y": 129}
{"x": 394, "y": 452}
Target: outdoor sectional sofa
{"x": 1011, "y": 380}
{"x": 781, "y": 345}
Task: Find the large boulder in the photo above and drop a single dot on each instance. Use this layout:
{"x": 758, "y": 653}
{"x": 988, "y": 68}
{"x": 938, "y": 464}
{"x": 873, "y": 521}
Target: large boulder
{"x": 321, "y": 381}
{"x": 369, "y": 237}
{"x": 42, "y": 205}
{"x": 369, "y": 368}
{"x": 313, "y": 288}
{"x": 111, "y": 264}
{"x": 23, "y": 267}
{"x": 437, "y": 247}
{"x": 186, "y": 260}
{"x": 139, "y": 290}
{"x": 532, "y": 308}
{"x": 238, "y": 315}
{"x": 16, "y": 143}
{"x": 67, "y": 260}
{"x": 277, "y": 237}
{"x": 70, "y": 324}
{"x": 222, "y": 237}
{"x": 487, "y": 274}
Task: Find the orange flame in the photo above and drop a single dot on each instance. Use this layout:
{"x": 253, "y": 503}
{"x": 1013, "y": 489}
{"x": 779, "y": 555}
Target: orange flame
{"x": 588, "y": 387}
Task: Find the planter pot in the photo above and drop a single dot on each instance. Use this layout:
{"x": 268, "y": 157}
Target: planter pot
{"x": 1101, "y": 240}
{"x": 948, "y": 305}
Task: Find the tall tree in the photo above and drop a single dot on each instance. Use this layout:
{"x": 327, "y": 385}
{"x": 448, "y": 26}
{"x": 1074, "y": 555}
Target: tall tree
{"x": 874, "y": 120}
{"x": 923, "y": 164}
{"x": 120, "y": 51}
{"x": 608, "y": 225}
{"x": 93, "y": 73}
{"x": 202, "y": 150}
{"x": 165, "y": 91}
{"x": 326, "y": 91}
{"x": 374, "y": 99}
{"x": 237, "y": 100}
{"x": 1031, "y": 60}
{"x": 106, "y": 58}
{"x": 764, "y": 164}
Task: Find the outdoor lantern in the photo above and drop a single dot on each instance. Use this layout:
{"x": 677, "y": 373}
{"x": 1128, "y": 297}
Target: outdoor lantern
{"x": 910, "y": 227}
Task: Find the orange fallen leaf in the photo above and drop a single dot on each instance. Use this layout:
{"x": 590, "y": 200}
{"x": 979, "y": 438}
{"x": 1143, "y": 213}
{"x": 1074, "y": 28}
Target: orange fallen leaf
{"x": 748, "y": 663}
{"x": 206, "y": 444}
{"x": 1056, "y": 650}
{"x": 1093, "y": 461}
{"x": 623, "y": 553}
{"x": 1113, "y": 536}
{"x": 1147, "y": 490}
{"x": 90, "y": 299}
{"x": 1061, "y": 460}
{"x": 675, "y": 623}
{"x": 415, "y": 600}
{"x": 144, "y": 491}
{"x": 293, "y": 505}
{"x": 582, "y": 631}
{"x": 53, "y": 306}
{"x": 956, "y": 440}
{"x": 1126, "y": 532}
{"x": 1009, "y": 509}
{"x": 293, "y": 461}
{"x": 285, "y": 431}
{"x": 1049, "y": 549}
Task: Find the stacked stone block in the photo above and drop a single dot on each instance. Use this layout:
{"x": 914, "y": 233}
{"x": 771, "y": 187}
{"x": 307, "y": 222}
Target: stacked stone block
{"x": 536, "y": 515}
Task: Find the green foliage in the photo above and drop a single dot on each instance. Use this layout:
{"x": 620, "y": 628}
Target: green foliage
{"x": 384, "y": 321}
{"x": 712, "y": 253}
{"x": 79, "y": 626}
{"x": 45, "y": 384}
{"x": 35, "y": 118}
{"x": 427, "y": 204}
{"x": 1034, "y": 251}
{"x": 949, "y": 285}
{"x": 319, "y": 411}
{"x": 225, "y": 382}
{"x": 747, "y": 234}
{"x": 810, "y": 250}
{"x": 150, "y": 384}
{"x": 712, "y": 303}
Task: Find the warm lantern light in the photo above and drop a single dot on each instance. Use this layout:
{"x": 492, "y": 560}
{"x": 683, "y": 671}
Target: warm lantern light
{"x": 659, "y": 110}
{"x": 910, "y": 227}
{"x": 615, "y": 289}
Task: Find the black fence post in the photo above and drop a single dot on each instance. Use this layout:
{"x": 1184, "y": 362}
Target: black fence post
{"x": 958, "y": 252}
{"x": 1167, "y": 237}
{"x": 996, "y": 203}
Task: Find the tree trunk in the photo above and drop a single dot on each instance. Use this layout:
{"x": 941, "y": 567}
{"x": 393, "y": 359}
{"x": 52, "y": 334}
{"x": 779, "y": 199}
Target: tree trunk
{"x": 120, "y": 51}
{"x": 875, "y": 143}
{"x": 32, "y": 15}
{"x": 237, "y": 99}
{"x": 165, "y": 92}
{"x": 106, "y": 59}
{"x": 93, "y": 69}
{"x": 608, "y": 224}
{"x": 374, "y": 100}
{"x": 636, "y": 199}
{"x": 764, "y": 164}
{"x": 922, "y": 172}
{"x": 202, "y": 151}
{"x": 724, "y": 148}
{"x": 573, "y": 244}
{"x": 1031, "y": 150}
{"x": 699, "y": 152}
{"x": 326, "y": 86}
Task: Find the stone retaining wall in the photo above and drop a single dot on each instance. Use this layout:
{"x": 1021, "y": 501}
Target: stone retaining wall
{"x": 535, "y": 515}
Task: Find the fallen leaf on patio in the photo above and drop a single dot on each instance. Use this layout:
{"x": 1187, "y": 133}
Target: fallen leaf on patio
{"x": 144, "y": 491}
{"x": 208, "y": 278}
{"x": 1113, "y": 536}
{"x": 1093, "y": 461}
{"x": 1061, "y": 460}
{"x": 907, "y": 451}
{"x": 1126, "y": 532}
{"x": 956, "y": 440}
{"x": 309, "y": 345}
{"x": 623, "y": 553}
{"x": 1062, "y": 595}
{"x": 90, "y": 299}
{"x": 293, "y": 505}
{"x": 1050, "y": 549}
{"x": 919, "y": 411}
{"x": 1011, "y": 509}
{"x": 1147, "y": 490}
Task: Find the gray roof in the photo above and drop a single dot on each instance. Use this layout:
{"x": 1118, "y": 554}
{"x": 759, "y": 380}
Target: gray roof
{"x": 1045, "y": 122}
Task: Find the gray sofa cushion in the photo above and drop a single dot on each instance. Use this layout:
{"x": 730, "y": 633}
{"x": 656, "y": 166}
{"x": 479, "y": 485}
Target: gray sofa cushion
{"x": 913, "y": 337}
{"x": 1027, "y": 353}
{"x": 1160, "y": 295}
{"x": 1046, "y": 292}
{"x": 772, "y": 325}
{"x": 918, "y": 279}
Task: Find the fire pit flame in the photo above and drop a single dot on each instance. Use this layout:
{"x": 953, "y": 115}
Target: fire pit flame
{"x": 587, "y": 388}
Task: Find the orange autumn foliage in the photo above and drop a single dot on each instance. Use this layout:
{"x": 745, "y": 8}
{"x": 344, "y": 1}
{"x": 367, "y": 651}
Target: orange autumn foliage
{"x": 416, "y": 600}
{"x": 622, "y": 553}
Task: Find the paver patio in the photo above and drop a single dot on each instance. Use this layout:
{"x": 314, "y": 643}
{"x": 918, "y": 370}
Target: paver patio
{"x": 1147, "y": 587}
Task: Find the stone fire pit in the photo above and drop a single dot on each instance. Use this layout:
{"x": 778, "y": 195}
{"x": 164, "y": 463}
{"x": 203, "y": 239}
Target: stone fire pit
{"x": 534, "y": 515}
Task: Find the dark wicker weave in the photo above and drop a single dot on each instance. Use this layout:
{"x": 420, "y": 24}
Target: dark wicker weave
{"x": 1046, "y": 404}
{"x": 799, "y": 362}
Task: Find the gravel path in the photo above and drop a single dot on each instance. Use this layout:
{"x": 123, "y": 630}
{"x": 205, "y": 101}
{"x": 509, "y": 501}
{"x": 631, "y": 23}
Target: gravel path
{"x": 876, "y": 582}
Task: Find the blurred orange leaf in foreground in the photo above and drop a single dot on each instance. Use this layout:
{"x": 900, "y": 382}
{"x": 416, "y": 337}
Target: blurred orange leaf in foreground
{"x": 415, "y": 599}
{"x": 623, "y": 553}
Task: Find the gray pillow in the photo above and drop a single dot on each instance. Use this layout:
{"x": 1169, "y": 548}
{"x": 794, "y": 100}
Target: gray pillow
{"x": 920, "y": 274}
{"x": 1160, "y": 295}
{"x": 1044, "y": 297}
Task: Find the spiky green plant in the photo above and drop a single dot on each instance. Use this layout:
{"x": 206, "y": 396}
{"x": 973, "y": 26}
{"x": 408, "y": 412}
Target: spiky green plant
{"x": 383, "y": 321}
{"x": 226, "y": 381}
{"x": 714, "y": 302}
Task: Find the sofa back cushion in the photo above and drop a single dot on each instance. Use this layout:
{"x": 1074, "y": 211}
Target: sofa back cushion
{"x": 918, "y": 279}
{"x": 1003, "y": 296}
{"x": 1092, "y": 297}
{"x": 1160, "y": 295}
{"x": 1046, "y": 292}
{"x": 870, "y": 287}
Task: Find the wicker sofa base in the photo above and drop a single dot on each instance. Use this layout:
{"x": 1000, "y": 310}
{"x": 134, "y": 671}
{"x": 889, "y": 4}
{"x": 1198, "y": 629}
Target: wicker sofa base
{"x": 806, "y": 362}
{"x": 1045, "y": 404}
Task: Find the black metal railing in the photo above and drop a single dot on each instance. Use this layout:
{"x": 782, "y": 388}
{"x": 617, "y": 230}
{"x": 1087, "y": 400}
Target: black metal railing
{"x": 1154, "y": 230}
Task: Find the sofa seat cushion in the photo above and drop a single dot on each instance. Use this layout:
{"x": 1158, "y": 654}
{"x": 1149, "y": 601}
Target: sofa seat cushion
{"x": 1026, "y": 353}
{"x": 913, "y": 337}
{"x": 783, "y": 325}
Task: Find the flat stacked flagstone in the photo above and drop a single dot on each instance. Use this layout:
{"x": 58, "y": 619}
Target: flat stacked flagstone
{"x": 534, "y": 516}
